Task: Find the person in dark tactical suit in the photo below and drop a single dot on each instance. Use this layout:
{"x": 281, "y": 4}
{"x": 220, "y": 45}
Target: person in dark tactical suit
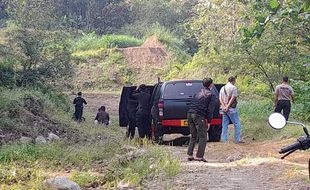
{"x": 143, "y": 120}
{"x": 131, "y": 110}
{"x": 79, "y": 104}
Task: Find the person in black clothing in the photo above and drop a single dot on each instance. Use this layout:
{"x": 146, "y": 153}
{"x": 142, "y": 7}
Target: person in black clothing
{"x": 215, "y": 132}
{"x": 143, "y": 120}
{"x": 201, "y": 108}
{"x": 216, "y": 94}
{"x": 102, "y": 116}
{"x": 79, "y": 104}
{"x": 132, "y": 110}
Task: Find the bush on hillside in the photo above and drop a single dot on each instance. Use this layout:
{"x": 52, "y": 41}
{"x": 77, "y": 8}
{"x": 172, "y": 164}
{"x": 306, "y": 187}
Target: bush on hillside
{"x": 35, "y": 57}
{"x": 173, "y": 43}
{"x": 302, "y": 93}
{"x": 33, "y": 112}
{"x": 7, "y": 73}
{"x": 50, "y": 100}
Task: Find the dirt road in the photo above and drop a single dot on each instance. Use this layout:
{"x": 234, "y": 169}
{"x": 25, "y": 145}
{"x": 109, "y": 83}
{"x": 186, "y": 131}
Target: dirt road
{"x": 250, "y": 166}
{"x": 239, "y": 167}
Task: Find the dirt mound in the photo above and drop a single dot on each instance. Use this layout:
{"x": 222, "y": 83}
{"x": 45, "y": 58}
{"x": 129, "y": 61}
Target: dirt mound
{"x": 152, "y": 52}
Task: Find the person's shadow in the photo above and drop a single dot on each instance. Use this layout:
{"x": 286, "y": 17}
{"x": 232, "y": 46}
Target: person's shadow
{"x": 180, "y": 141}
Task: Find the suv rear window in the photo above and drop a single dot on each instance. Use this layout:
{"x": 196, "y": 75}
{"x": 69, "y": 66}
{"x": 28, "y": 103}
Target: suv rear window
{"x": 182, "y": 90}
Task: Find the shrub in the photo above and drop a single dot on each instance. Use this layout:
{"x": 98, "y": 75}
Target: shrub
{"x": 302, "y": 104}
{"x": 7, "y": 73}
{"x": 39, "y": 57}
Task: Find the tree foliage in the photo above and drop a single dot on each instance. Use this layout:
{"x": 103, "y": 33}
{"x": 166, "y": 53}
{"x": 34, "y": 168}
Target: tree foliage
{"x": 216, "y": 24}
{"x": 39, "y": 57}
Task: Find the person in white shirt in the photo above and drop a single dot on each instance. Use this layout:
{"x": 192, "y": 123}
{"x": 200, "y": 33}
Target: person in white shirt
{"x": 228, "y": 100}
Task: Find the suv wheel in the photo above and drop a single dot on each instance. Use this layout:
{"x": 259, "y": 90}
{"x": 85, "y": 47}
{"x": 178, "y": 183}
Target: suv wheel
{"x": 157, "y": 135}
{"x": 215, "y": 133}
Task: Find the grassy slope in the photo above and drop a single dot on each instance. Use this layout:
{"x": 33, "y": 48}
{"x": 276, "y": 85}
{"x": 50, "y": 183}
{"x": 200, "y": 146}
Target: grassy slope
{"x": 101, "y": 66}
{"x": 90, "y": 160}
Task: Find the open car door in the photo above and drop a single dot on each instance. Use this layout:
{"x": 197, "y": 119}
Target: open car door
{"x": 123, "y": 114}
{"x": 127, "y": 104}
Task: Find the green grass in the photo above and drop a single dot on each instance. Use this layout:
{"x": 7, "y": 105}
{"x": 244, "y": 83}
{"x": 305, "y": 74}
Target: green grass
{"x": 83, "y": 55}
{"x": 93, "y": 42}
{"x": 156, "y": 161}
{"x": 14, "y": 98}
{"x": 21, "y": 177}
{"x": 59, "y": 154}
{"x": 28, "y": 160}
{"x": 254, "y": 115}
{"x": 15, "y": 115}
{"x": 85, "y": 178}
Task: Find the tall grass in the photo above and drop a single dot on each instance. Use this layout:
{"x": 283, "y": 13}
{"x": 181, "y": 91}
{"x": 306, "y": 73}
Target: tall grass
{"x": 13, "y": 97}
{"x": 155, "y": 161}
{"x": 254, "y": 118}
{"x": 93, "y": 42}
{"x": 59, "y": 154}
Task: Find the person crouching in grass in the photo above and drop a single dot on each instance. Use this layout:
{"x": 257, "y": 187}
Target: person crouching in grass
{"x": 102, "y": 117}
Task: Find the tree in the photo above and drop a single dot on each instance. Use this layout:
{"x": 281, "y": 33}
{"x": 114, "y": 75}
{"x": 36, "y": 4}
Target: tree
{"x": 40, "y": 57}
{"x": 168, "y": 14}
{"x": 277, "y": 43}
{"x": 216, "y": 24}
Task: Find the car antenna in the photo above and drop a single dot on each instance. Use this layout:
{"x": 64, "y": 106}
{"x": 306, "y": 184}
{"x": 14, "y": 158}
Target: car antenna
{"x": 158, "y": 79}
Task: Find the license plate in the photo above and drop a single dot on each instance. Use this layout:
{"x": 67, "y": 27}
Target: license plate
{"x": 184, "y": 123}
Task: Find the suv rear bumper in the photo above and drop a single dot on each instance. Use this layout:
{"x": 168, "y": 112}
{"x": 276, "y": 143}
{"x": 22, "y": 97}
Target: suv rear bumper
{"x": 184, "y": 122}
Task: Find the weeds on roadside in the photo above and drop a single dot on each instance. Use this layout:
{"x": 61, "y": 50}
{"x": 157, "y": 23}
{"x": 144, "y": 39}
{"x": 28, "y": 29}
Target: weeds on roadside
{"x": 254, "y": 116}
{"x": 156, "y": 161}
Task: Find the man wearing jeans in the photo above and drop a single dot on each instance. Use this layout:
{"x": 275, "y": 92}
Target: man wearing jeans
{"x": 200, "y": 109}
{"x": 228, "y": 99}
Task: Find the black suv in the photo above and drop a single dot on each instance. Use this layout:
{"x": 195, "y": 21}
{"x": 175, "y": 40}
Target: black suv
{"x": 169, "y": 105}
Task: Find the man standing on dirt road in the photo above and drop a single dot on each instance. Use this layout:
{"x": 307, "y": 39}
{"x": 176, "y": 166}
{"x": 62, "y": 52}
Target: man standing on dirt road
{"x": 79, "y": 104}
{"x": 143, "y": 112}
{"x": 201, "y": 107}
{"x": 228, "y": 99}
{"x": 284, "y": 94}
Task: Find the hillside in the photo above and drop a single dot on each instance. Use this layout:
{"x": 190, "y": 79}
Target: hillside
{"x": 113, "y": 68}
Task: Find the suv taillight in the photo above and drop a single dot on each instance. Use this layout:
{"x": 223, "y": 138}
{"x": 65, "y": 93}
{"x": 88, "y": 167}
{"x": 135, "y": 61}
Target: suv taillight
{"x": 161, "y": 108}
